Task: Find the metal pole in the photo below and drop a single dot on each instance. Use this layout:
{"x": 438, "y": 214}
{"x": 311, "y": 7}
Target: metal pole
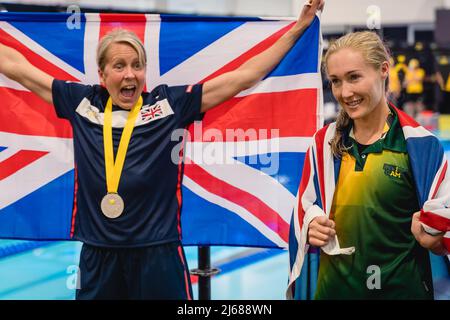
{"x": 204, "y": 273}
{"x": 204, "y": 282}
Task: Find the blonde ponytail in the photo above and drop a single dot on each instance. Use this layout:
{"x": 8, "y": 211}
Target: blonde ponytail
{"x": 337, "y": 142}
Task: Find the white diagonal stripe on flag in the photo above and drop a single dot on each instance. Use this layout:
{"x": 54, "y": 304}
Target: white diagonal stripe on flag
{"x": 37, "y": 48}
{"x": 235, "y": 208}
{"x": 221, "y": 52}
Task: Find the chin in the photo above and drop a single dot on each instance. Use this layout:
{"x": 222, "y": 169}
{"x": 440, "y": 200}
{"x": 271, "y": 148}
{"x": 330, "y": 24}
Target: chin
{"x": 353, "y": 113}
{"x": 128, "y": 103}
{"x": 358, "y": 113}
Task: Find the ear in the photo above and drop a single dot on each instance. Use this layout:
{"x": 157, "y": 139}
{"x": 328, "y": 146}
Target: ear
{"x": 385, "y": 70}
{"x": 101, "y": 75}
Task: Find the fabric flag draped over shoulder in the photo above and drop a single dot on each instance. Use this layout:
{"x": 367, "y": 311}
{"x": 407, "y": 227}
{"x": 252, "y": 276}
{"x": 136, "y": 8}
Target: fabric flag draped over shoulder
{"x": 243, "y": 161}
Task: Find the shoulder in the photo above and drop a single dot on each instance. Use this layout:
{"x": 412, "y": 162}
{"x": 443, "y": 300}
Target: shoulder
{"x": 326, "y": 133}
{"x": 68, "y": 95}
{"x": 67, "y": 83}
{"x": 162, "y": 89}
{"x": 326, "y": 128}
{"x": 159, "y": 93}
{"x": 411, "y": 128}
{"x": 75, "y": 87}
{"x": 167, "y": 90}
{"x": 162, "y": 92}
{"x": 419, "y": 139}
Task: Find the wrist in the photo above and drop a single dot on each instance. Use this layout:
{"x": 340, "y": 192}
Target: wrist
{"x": 295, "y": 32}
{"x": 439, "y": 249}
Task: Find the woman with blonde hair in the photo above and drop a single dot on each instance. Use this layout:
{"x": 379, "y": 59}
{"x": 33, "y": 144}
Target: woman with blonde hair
{"x": 127, "y": 194}
{"x": 375, "y": 190}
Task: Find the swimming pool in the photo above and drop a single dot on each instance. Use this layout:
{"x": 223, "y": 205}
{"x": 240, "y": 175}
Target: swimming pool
{"x": 48, "y": 272}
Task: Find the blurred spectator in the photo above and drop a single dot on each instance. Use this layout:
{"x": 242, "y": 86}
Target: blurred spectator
{"x": 399, "y": 72}
{"x": 427, "y": 62}
{"x": 414, "y": 88}
{"x": 395, "y": 86}
{"x": 443, "y": 79}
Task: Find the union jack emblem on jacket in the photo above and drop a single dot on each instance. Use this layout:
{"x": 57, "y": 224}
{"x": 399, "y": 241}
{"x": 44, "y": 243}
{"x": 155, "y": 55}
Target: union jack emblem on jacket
{"x": 320, "y": 171}
{"x": 151, "y": 112}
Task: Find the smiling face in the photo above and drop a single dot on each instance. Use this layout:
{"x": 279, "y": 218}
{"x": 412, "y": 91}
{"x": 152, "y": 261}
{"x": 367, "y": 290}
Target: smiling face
{"x": 358, "y": 86}
{"x": 123, "y": 75}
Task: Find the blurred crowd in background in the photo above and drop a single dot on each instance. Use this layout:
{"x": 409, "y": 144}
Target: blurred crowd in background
{"x": 419, "y": 40}
{"x": 419, "y": 84}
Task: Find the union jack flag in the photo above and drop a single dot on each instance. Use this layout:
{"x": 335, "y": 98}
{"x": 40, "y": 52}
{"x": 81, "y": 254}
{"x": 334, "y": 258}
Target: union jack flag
{"x": 151, "y": 112}
{"x": 238, "y": 202}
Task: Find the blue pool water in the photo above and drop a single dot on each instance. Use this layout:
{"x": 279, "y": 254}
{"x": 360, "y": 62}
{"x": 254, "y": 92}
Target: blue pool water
{"x": 48, "y": 272}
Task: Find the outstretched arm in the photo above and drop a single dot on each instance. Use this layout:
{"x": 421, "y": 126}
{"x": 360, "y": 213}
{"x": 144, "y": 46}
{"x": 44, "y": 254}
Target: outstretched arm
{"x": 227, "y": 85}
{"x": 14, "y": 66}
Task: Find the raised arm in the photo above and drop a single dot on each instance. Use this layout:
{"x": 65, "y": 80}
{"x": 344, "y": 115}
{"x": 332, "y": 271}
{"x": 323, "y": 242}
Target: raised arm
{"x": 16, "y": 67}
{"x": 227, "y": 85}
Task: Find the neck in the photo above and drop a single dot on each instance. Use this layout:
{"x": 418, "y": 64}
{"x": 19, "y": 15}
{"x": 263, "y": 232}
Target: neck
{"x": 128, "y": 108}
{"x": 369, "y": 129}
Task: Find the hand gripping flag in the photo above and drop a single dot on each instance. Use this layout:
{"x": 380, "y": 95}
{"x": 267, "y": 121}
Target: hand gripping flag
{"x": 243, "y": 162}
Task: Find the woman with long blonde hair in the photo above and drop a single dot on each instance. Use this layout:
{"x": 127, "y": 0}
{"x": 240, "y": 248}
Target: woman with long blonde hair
{"x": 375, "y": 190}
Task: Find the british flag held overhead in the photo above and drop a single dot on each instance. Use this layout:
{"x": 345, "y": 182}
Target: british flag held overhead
{"x": 257, "y": 140}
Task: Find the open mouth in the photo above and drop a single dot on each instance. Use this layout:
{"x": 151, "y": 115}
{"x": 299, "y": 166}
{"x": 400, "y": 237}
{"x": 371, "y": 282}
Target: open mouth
{"x": 128, "y": 91}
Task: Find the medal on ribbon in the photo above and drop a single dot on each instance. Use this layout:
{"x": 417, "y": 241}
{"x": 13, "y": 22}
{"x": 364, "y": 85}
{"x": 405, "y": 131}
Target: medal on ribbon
{"x": 112, "y": 204}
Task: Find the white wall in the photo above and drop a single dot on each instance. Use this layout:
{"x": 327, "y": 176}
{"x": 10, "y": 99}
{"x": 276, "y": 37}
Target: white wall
{"x": 272, "y": 8}
{"x": 354, "y": 12}
{"x": 232, "y": 7}
{"x": 337, "y": 12}
{"x": 211, "y": 7}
